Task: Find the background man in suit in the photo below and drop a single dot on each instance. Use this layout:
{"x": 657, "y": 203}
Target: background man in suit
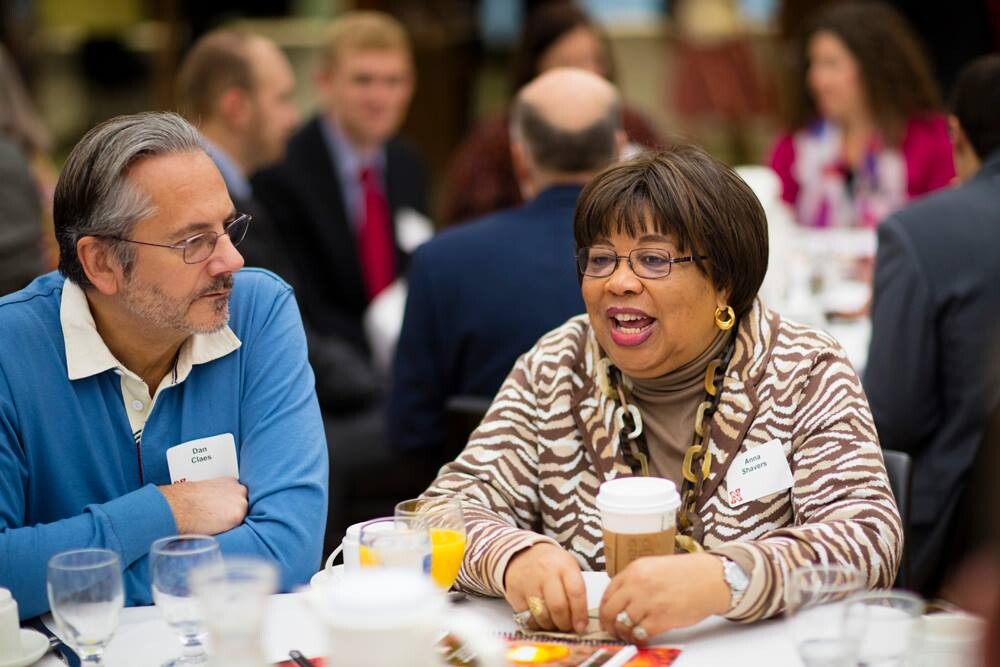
{"x": 341, "y": 197}
{"x": 346, "y": 181}
{"x": 237, "y": 88}
{"x": 482, "y": 294}
{"x": 934, "y": 322}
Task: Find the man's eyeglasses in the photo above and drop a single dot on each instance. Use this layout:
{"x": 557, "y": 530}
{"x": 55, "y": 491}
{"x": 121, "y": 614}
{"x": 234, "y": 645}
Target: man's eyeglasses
{"x": 200, "y": 247}
{"x": 644, "y": 262}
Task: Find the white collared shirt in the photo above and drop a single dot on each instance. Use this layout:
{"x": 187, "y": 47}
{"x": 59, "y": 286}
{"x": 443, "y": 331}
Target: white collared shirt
{"x": 87, "y": 354}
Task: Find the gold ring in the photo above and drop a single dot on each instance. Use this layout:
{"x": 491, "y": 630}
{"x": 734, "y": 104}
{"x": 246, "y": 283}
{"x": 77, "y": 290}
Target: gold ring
{"x": 536, "y": 605}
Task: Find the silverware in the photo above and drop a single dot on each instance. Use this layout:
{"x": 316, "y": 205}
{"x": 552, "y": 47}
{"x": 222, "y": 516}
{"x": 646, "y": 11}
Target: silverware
{"x": 67, "y": 655}
{"x": 300, "y": 659}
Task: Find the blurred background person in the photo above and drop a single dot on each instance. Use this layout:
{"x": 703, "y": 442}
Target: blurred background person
{"x": 27, "y": 182}
{"x": 237, "y": 88}
{"x": 481, "y": 294}
{"x": 867, "y": 133}
{"x": 481, "y": 177}
{"x": 346, "y": 179}
{"x": 346, "y": 198}
{"x": 20, "y": 220}
{"x": 935, "y": 322}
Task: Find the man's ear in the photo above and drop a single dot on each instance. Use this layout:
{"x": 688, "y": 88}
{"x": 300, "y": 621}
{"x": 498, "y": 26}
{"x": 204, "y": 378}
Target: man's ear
{"x": 100, "y": 265}
{"x": 621, "y": 142}
{"x": 523, "y": 169}
{"x": 234, "y": 107}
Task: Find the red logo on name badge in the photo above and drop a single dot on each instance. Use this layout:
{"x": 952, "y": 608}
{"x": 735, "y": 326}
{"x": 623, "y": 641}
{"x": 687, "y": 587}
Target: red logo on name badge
{"x": 735, "y": 496}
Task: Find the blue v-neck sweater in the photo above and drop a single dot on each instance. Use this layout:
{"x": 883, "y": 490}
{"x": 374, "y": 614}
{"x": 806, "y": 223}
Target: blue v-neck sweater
{"x": 71, "y": 475}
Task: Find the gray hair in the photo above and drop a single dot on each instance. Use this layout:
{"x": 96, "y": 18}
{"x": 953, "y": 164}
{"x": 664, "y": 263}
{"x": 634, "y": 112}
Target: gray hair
{"x": 94, "y": 196}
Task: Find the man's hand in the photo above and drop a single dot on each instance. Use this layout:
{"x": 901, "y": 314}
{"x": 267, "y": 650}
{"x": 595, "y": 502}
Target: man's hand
{"x": 208, "y": 507}
{"x": 551, "y": 574}
{"x": 665, "y": 592}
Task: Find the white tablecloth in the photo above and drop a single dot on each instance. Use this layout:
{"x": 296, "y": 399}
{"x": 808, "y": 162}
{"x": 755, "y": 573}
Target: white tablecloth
{"x": 144, "y": 640}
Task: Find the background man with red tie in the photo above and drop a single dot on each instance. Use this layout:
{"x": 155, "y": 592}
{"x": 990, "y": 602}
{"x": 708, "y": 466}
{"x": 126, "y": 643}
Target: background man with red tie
{"x": 338, "y": 200}
{"x": 346, "y": 179}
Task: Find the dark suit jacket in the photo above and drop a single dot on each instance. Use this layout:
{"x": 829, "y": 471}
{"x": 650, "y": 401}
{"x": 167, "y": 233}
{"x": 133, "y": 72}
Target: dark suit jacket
{"x": 331, "y": 358}
{"x": 302, "y": 195}
{"x": 934, "y": 317}
{"x": 480, "y": 295}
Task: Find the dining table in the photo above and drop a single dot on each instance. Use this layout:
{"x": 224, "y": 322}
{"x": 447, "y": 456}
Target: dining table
{"x": 143, "y": 638}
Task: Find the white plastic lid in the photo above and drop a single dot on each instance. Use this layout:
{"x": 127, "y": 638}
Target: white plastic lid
{"x": 638, "y": 495}
{"x": 378, "y": 598}
{"x": 5, "y": 595}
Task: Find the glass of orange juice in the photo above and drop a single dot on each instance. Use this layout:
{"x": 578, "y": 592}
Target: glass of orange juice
{"x": 443, "y": 519}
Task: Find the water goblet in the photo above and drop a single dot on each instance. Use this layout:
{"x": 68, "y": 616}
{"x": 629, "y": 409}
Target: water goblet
{"x": 403, "y": 544}
{"x": 86, "y": 596}
{"x": 234, "y": 597}
{"x": 171, "y": 562}
{"x": 884, "y": 625}
{"x": 442, "y": 517}
{"x": 816, "y": 608}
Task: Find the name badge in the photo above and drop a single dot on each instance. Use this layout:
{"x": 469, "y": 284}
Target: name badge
{"x": 204, "y": 458}
{"x": 757, "y": 473}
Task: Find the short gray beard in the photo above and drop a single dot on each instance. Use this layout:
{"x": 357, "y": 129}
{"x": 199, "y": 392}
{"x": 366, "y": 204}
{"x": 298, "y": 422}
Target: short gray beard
{"x": 149, "y": 303}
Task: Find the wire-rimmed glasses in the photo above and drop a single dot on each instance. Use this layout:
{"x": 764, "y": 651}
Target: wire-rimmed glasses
{"x": 597, "y": 262}
{"x": 86, "y": 596}
{"x": 200, "y": 247}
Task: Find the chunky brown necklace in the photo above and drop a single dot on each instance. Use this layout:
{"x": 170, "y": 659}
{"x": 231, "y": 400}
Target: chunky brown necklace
{"x": 697, "y": 459}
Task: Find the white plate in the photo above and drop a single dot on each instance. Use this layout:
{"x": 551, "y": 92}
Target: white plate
{"x": 33, "y": 646}
{"x": 322, "y": 577}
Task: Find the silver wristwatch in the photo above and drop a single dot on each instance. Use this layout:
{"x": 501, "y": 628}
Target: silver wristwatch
{"x": 736, "y": 578}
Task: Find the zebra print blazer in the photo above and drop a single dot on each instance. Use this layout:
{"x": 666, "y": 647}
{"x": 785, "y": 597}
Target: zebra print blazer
{"x": 527, "y": 474}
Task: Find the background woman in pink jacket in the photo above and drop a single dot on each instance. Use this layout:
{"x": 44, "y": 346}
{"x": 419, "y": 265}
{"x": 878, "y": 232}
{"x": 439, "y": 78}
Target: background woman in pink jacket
{"x": 868, "y": 135}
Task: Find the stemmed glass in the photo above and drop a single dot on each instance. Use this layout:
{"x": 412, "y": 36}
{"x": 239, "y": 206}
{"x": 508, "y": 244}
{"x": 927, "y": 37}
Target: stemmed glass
{"x": 86, "y": 596}
{"x": 171, "y": 562}
{"x": 442, "y": 517}
{"x": 816, "y": 608}
{"x": 234, "y": 598}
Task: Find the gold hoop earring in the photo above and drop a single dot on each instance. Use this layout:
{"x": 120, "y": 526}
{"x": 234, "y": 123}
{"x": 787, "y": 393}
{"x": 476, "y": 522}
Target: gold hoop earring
{"x": 725, "y": 318}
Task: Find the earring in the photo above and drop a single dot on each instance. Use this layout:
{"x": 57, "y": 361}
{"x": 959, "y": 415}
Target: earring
{"x": 725, "y": 318}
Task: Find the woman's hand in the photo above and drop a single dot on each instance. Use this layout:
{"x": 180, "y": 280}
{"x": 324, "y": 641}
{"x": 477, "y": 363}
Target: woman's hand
{"x": 664, "y": 592}
{"x": 551, "y": 574}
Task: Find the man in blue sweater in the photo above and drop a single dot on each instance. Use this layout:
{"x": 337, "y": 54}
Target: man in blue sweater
{"x": 149, "y": 390}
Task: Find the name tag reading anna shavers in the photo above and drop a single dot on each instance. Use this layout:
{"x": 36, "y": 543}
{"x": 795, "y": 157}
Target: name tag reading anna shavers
{"x": 204, "y": 458}
{"x": 757, "y": 473}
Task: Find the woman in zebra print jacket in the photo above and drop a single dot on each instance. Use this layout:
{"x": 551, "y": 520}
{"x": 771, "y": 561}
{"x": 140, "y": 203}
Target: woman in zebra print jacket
{"x": 675, "y": 349}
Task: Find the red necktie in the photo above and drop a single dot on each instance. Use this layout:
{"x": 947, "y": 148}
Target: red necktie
{"x": 376, "y": 249}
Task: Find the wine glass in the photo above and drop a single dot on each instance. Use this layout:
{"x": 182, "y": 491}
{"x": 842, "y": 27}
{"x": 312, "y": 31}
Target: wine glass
{"x": 816, "y": 608}
{"x": 234, "y": 598}
{"x": 86, "y": 597}
{"x": 171, "y": 562}
{"x": 442, "y": 517}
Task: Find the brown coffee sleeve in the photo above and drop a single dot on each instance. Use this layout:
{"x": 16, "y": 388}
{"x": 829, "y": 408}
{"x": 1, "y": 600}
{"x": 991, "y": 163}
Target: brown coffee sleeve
{"x": 620, "y": 549}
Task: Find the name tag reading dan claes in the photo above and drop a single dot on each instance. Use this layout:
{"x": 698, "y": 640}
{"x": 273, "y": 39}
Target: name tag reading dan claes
{"x": 204, "y": 458}
{"x": 757, "y": 473}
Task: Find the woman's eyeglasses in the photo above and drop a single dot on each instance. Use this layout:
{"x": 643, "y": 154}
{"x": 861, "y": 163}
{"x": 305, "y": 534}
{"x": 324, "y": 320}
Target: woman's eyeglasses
{"x": 644, "y": 262}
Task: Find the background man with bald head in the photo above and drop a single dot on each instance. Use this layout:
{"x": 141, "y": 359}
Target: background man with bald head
{"x": 483, "y": 293}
